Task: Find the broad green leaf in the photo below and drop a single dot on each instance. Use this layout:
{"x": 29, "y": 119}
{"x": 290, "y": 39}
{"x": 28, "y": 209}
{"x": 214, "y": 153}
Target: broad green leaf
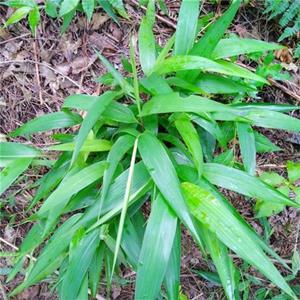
{"x": 293, "y": 169}
{"x": 67, "y": 6}
{"x": 115, "y": 111}
{"x": 20, "y": 3}
{"x": 70, "y": 186}
{"x": 186, "y": 26}
{"x": 126, "y": 87}
{"x": 226, "y": 158}
{"x": 78, "y": 265}
{"x": 48, "y": 122}
{"x": 173, "y": 102}
{"x": 34, "y": 19}
{"x": 192, "y": 62}
{"x": 67, "y": 19}
{"x": 215, "y": 84}
{"x": 88, "y": 7}
{"x": 95, "y": 269}
{"x": 10, "y": 150}
{"x": 212, "y": 127}
{"x": 243, "y": 183}
{"x": 12, "y": 171}
{"x": 237, "y": 46}
{"x": 206, "y": 45}
{"x": 156, "y": 85}
{"x": 94, "y": 113}
{"x": 263, "y": 144}
{"x": 273, "y": 119}
{"x": 51, "y": 256}
{"x": 223, "y": 262}
{"x": 156, "y": 250}
{"x": 51, "y": 8}
{"x": 265, "y": 106}
{"x": 185, "y": 85}
{"x": 88, "y": 146}
{"x": 191, "y": 139}
{"x": 165, "y": 51}
{"x": 119, "y": 6}
{"x": 272, "y": 179}
{"x": 247, "y": 146}
{"x": 267, "y": 209}
{"x": 117, "y": 152}
{"x": 18, "y": 15}
{"x": 107, "y": 7}
{"x": 158, "y": 163}
{"x": 172, "y": 275}
{"x": 147, "y": 50}
{"x": 219, "y": 219}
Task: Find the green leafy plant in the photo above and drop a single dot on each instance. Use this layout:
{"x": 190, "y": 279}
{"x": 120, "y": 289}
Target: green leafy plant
{"x": 65, "y": 9}
{"x": 162, "y": 140}
{"x": 289, "y": 13}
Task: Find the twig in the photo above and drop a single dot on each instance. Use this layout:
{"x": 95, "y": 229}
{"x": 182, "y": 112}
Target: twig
{"x": 98, "y": 297}
{"x": 15, "y": 38}
{"x": 3, "y": 291}
{"x": 46, "y": 65}
{"x": 163, "y": 19}
{"x": 38, "y": 80}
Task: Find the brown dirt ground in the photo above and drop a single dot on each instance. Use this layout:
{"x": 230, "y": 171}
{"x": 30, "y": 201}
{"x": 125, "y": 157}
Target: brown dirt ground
{"x": 58, "y": 66}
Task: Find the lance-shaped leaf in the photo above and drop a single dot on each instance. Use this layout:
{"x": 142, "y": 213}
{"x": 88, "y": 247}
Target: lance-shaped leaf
{"x": 90, "y": 120}
{"x": 48, "y": 122}
{"x": 223, "y": 262}
{"x": 172, "y": 276}
{"x": 88, "y": 146}
{"x": 78, "y": 265}
{"x": 147, "y": 49}
{"x": 219, "y": 219}
{"x": 186, "y": 26}
{"x": 247, "y": 146}
{"x": 243, "y": 183}
{"x": 12, "y": 171}
{"x": 115, "y": 111}
{"x": 191, "y": 139}
{"x": 10, "y": 150}
{"x": 156, "y": 250}
{"x": 173, "y": 102}
{"x": 236, "y": 46}
{"x": 158, "y": 163}
{"x": 191, "y": 62}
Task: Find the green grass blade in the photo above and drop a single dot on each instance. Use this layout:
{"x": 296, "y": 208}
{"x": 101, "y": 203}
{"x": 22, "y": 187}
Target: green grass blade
{"x": 78, "y": 265}
{"x": 147, "y": 50}
{"x": 243, "y": 183}
{"x": 173, "y": 102}
{"x": 186, "y": 26}
{"x": 125, "y": 203}
{"x": 191, "y": 139}
{"x": 165, "y": 51}
{"x": 223, "y": 262}
{"x": 118, "y": 150}
{"x": 12, "y": 171}
{"x": 172, "y": 275}
{"x": 88, "y": 146}
{"x": 10, "y": 150}
{"x": 247, "y": 146}
{"x": 156, "y": 250}
{"x": 235, "y": 46}
{"x": 215, "y": 84}
{"x": 48, "y": 122}
{"x": 263, "y": 144}
{"x": 90, "y": 120}
{"x": 214, "y": 215}
{"x": 158, "y": 164}
{"x": 206, "y": 45}
{"x": 126, "y": 87}
{"x": 193, "y": 62}
{"x": 273, "y": 119}
{"x": 115, "y": 111}
{"x": 70, "y": 186}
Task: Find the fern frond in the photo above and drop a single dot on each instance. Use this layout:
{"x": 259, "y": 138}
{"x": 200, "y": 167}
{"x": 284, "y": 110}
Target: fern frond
{"x": 290, "y": 31}
{"x": 297, "y": 51}
{"x": 292, "y": 12}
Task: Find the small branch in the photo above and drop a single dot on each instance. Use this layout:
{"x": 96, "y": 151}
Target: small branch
{"x": 163, "y": 19}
